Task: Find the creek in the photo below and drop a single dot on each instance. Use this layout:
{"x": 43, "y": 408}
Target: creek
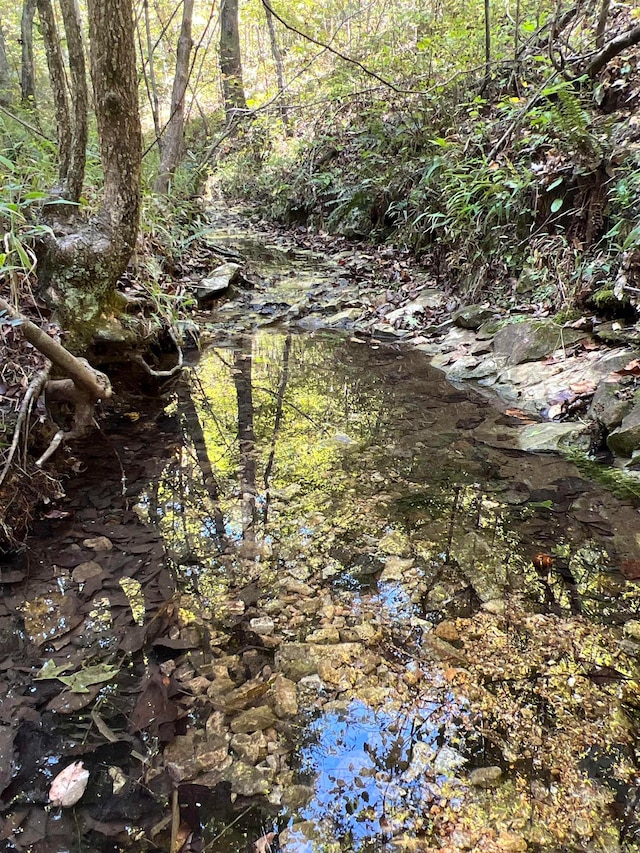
{"x": 331, "y": 606}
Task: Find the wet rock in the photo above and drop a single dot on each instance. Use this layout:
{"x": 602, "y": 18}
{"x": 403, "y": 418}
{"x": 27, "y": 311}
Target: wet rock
{"x": 285, "y": 697}
{"x": 262, "y": 625}
{"x": 98, "y": 543}
{"x": 324, "y": 635}
{"x": 84, "y": 571}
{"x": 221, "y": 684}
{"x": 253, "y": 720}
{"x": 295, "y": 660}
{"x": 213, "y": 754}
{"x": 395, "y": 568}
{"x": 296, "y": 797}
{"x": 240, "y": 698}
{"x": 251, "y": 748}
{"x": 532, "y": 340}
{"x": 485, "y": 777}
{"x": 626, "y": 438}
{"x": 445, "y": 651}
{"x": 219, "y": 280}
{"x": 612, "y": 401}
{"x": 496, "y": 606}
{"x": 471, "y": 367}
{"x": 396, "y": 543}
{"x": 246, "y": 781}
{"x": 198, "y": 685}
{"x": 447, "y": 631}
{"x": 432, "y": 298}
{"x": 552, "y": 437}
{"x": 180, "y": 757}
{"x": 215, "y": 725}
{"x": 613, "y": 332}
{"x": 472, "y": 316}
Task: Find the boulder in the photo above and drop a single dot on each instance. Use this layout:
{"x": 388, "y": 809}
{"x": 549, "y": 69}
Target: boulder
{"x": 551, "y": 437}
{"x": 613, "y": 401}
{"x": 485, "y": 777}
{"x": 472, "y": 316}
{"x": 626, "y": 438}
{"x": 219, "y": 280}
{"x": 532, "y": 340}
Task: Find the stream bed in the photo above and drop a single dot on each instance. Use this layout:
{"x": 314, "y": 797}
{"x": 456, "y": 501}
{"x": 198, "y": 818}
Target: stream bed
{"x": 316, "y": 599}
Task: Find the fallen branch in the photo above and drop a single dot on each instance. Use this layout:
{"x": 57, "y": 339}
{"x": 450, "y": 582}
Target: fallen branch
{"x": 161, "y": 374}
{"x": 32, "y": 393}
{"x": 95, "y": 384}
{"x": 615, "y": 47}
{"x": 83, "y": 388}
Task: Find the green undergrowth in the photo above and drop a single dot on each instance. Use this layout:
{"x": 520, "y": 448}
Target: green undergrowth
{"x": 510, "y": 194}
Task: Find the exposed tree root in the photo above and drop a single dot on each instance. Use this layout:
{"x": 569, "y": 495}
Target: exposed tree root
{"x": 33, "y": 392}
{"x": 83, "y": 388}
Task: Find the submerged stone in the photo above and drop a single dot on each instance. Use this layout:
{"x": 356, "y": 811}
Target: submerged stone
{"x": 485, "y": 777}
{"x": 253, "y": 720}
{"x": 626, "y": 438}
{"x": 552, "y": 437}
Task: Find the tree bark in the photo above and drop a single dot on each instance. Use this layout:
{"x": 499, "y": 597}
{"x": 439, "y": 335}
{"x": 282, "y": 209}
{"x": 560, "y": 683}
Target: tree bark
{"x": 115, "y": 86}
{"x": 28, "y": 76}
{"x": 230, "y": 60}
{"x": 5, "y": 72}
{"x": 152, "y": 86}
{"x": 487, "y": 42}
{"x": 602, "y": 23}
{"x": 172, "y": 144}
{"x": 79, "y": 98}
{"x": 79, "y": 264}
{"x": 57, "y": 78}
{"x": 277, "y": 61}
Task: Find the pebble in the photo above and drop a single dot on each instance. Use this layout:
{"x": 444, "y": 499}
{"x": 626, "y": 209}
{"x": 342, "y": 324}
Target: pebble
{"x": 98, "y": 543}
{"x": 262, "y": 625}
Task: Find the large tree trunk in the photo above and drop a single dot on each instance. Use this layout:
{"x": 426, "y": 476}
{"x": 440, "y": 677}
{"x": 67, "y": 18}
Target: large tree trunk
{"x": 79, "y": 97}
{"x": 5, "y": 72}
{"x": 28, "y": 76}
{"x": 78, "y": 268}
{"x": 230, "y": 60}
{"x": 172, "y": 143}
{"x": 57, "y": 78}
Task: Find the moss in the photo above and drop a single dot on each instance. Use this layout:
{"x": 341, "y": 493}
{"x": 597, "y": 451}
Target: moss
{"x": 619, "y": 483}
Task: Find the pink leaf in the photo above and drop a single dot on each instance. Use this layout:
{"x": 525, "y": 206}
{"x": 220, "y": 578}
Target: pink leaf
{"x": 69, "y": 785}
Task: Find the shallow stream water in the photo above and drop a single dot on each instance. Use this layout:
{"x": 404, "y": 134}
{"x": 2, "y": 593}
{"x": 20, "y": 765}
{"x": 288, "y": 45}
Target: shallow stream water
{"x": 342, "y": 611}
{"x": 452, "y": 640}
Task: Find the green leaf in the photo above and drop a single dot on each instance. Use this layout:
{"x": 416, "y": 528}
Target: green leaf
{"x": 50, "y": 670}
{"x": 555, "y": 184}
{"x": 80, "y": 681}
{"x": 556, "y": 204}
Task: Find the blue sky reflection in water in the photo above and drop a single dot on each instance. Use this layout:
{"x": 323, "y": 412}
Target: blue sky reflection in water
{"x": 376, "y": 772}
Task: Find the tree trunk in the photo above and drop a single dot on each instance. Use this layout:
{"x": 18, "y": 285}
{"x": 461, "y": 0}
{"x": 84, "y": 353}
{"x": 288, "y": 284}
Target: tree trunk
{"x": 152, "y": 86}
{"x": 5, "y": 72}
{"x": 602, "y": 23}
{"x": 277, "y": 61}
{"x": 55, "y": 64}
{"x": 115, "y": 87}
{"x": 172, "y": 144}
{"x": 230, "y": 60}
{"x": 487, "y": 42}
{"x": 28, "y": 77}
{"x": 79, "y": 97}
{"x": 78, "y": 270}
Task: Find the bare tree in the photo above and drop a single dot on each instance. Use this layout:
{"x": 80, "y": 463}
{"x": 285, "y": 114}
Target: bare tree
{"x": 277, "y": 61}
{"x": 57, "y": 79}
{"x": 5, "y": 72}
{"x": 172, "y": 140}
{"x": 28, "y": 75}
{"x": 79, "y": 98}
{"x": 230, "y": 60}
